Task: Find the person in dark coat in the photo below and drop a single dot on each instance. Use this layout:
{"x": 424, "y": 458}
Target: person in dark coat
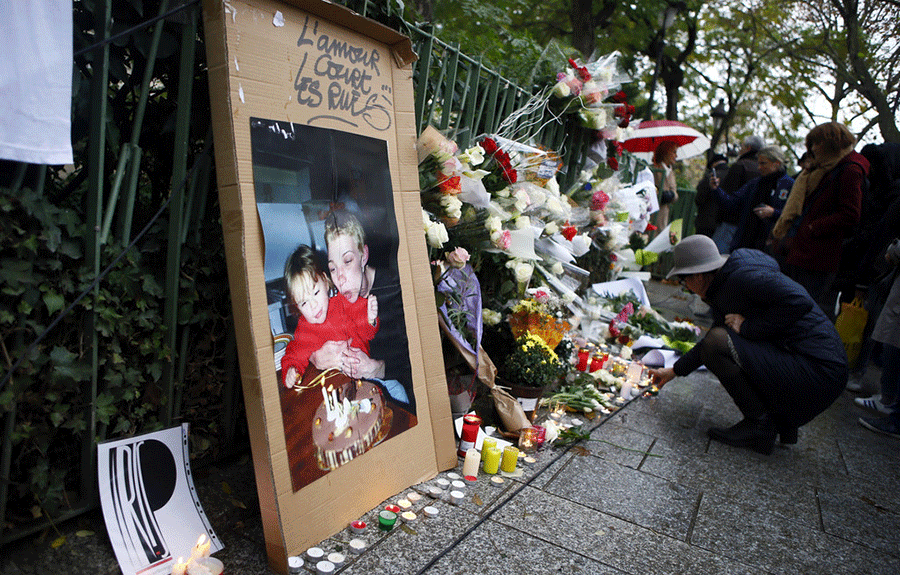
{"x": 822, "y": 210}
{"x": 740, "y": 172}
{"x": 771, "y": 347}
{"x": 707, "y": 204}
{"x": 760, "y": 200}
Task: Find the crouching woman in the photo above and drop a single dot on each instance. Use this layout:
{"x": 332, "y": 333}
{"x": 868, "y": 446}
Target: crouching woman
{"x": 772, "y": 348}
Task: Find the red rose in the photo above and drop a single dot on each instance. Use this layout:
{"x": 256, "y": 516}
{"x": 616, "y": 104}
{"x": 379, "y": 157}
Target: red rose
{"x": 569, "y": 232}
{"x": 612, "y": 162}
{"x": 624, "y": 123}
{"x": 619, "y": 97}
{"x": 651, "y": 228}
{"x": 450, "y": 185}
{"x": 489, "y": 145}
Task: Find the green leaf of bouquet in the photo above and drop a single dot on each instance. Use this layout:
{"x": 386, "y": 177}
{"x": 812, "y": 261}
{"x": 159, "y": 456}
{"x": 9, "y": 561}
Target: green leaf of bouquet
{"x": 645, "y": 258}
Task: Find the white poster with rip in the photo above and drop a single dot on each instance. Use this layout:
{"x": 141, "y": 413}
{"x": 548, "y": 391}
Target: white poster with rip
{"x": 150, "y": 506}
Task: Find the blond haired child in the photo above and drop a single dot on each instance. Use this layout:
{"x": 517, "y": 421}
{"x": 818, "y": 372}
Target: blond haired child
{"x": 322, "y": 318}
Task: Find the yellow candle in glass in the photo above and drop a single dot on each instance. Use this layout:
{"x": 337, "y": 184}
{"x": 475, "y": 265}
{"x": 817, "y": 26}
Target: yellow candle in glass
{"x": 491, "y": 460}
{"x": 510, "y": 457}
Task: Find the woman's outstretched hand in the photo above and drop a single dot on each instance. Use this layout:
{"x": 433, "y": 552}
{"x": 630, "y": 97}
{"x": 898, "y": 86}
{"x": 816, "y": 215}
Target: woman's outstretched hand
{"x": 660, "y": 377}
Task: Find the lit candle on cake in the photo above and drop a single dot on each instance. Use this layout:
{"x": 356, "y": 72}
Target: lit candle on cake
{"x": 470, "y": 465}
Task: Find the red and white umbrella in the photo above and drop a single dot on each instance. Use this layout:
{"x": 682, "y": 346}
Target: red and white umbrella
{"x": 650, "y": 133}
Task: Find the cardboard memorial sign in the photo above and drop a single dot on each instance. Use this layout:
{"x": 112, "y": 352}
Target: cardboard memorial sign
{"x": 334, "y": 307}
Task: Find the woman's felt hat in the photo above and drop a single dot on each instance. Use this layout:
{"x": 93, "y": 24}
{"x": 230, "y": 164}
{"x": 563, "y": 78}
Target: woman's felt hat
{"x": 696, "y": 254}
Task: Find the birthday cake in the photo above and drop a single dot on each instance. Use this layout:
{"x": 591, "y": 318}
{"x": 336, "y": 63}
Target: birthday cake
{"x": 351, "y": 419}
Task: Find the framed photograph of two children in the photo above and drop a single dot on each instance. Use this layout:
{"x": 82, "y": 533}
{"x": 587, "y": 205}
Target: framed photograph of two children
{"x": 333, "y": 303}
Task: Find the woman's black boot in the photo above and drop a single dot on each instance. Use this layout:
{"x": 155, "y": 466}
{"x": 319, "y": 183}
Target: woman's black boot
{"x": 756, "y": 433}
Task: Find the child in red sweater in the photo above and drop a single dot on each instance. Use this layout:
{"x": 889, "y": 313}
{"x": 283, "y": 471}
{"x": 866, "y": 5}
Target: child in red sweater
{"x": 322, "y": 318}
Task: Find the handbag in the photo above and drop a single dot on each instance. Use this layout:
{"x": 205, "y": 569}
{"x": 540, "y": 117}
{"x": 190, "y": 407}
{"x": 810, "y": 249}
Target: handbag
{"x": 850, "y": 324}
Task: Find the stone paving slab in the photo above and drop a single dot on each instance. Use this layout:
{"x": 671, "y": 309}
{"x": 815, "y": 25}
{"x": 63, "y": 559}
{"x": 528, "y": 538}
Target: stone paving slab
{"x": 753, "y": 536}
{"x": 613, "y": 541}
{"x": 652, "y": 502}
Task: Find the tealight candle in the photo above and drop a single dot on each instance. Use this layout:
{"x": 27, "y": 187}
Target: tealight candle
{"x": 470, "y": 465}
{"x": 413, "y": 497}
{"x": 357, "y": 546}
{"x": 295, "y": 564}
{"x": 212, "y": 565}
{"x": 453, "y": 476}
{"x": 492, "y": 460}
{"x": 392, "y": 508}
{"x": 529, "y": 461}
{"x": 408, "y": 516}
{"x": 358, "y": 526}
{"x": 510, "y": 457}
{"x": 386, "y": 520}
{"x": 434, "y": 492}
{"x": 404, "y": 504}
{"x": 456, "y": 497}
{"x": 497, "y": 481}
{"x": 457, "y": 484}
{"x": 201, "y": 549}
{"x": 315, "y": 553}
{"x": 324, "y": 567}
{"x": 470, "y": 479}
{"x": 430, "y": 511}
{"x": 180, "y": 567}
{"x": 336, "y": 558}
{"x": 443, "y": 483}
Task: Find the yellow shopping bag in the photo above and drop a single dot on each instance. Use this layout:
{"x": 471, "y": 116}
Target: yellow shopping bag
{"x": 850, "y": 324}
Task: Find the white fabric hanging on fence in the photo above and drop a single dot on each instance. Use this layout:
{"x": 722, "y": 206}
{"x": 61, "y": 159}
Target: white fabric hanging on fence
{"x": 36, "y": 81}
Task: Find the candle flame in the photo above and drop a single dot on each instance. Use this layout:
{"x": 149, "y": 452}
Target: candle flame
{"x": 201, "y": 540}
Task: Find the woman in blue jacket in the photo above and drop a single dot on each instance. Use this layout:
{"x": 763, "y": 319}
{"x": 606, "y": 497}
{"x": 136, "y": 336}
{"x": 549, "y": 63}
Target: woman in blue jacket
{"x": 771, "y": 346}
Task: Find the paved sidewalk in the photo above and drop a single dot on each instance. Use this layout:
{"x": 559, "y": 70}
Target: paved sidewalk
{"x": 650, "y": 494}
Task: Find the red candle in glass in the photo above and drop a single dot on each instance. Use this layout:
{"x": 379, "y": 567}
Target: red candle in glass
{"x": 471, "y": 425}
{"x": 596, "y": 363}
{"x": 583, "y": 357}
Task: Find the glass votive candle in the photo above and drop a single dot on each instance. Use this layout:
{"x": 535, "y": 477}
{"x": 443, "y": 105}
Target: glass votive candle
{"x": 386, "y": 520}
{"x": 528, "y": 439}
{"x": 510, "y": 457}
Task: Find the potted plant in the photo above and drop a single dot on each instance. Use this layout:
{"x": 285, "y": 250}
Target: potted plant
{"x": 530, "y": 369}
